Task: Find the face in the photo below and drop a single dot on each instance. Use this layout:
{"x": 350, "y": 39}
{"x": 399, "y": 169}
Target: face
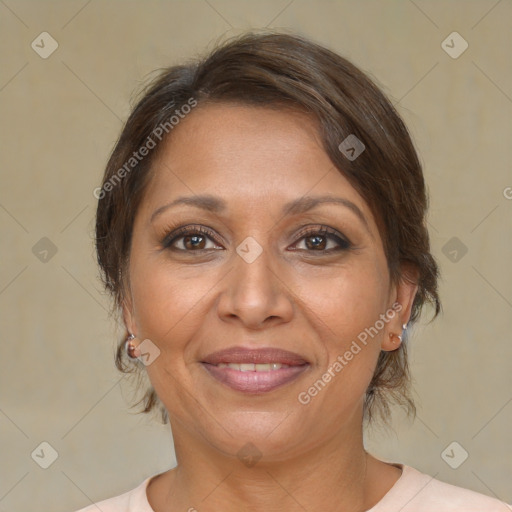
{"x": 243, "y": 270}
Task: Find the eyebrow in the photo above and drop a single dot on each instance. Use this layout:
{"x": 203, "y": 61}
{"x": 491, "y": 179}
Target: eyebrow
{"x": 295, "y": 207}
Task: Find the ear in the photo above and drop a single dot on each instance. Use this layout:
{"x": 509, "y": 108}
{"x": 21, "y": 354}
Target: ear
{"x": 401, "y": 300}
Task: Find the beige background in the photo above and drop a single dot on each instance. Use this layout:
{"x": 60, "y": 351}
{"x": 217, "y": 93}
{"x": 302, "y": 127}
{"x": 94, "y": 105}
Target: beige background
{"x": 60, "y": 117}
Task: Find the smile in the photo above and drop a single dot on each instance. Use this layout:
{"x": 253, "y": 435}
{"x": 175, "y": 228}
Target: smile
{"x": 251, "y": 367}
{"x": 254, "y": 378}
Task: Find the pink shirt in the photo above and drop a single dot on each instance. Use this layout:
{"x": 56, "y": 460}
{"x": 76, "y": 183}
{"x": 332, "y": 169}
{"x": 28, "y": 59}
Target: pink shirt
{"x": 412, "y": 492}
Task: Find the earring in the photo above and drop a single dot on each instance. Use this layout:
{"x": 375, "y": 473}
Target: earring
{"x": 393, "y": 335}
{"x": 130, "y": 348}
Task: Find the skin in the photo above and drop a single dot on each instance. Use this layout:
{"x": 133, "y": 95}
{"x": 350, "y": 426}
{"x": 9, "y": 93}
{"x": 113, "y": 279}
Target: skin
{"x": 190, "y": 304}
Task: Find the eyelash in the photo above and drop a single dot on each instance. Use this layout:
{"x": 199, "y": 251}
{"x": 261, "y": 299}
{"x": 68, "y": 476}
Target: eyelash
{"x": 324, "y": 231}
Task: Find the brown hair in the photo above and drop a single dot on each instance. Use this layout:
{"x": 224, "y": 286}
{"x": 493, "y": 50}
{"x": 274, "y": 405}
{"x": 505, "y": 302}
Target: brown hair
{"x": 284, "y": 71}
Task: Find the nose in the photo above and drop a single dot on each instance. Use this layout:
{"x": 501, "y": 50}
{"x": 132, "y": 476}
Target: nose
{"x": 255, "y": 294}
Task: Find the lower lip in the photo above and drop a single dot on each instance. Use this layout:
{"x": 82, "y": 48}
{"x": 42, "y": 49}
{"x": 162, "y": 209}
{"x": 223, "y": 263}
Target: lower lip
{"x": 255, "y": 382}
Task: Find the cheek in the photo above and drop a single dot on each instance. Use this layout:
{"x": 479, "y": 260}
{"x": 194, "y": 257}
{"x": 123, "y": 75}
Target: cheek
{"x": 346, "y": 311}
{"x": 167, "y": 301}
{"x": 350, "y": 348}
{"x": 171, "y": 300}
{"x": 346, "y": 301}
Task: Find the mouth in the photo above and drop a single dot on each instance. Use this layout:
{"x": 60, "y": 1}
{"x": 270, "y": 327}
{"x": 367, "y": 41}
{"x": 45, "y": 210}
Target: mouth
{"x": 254, "y": 370}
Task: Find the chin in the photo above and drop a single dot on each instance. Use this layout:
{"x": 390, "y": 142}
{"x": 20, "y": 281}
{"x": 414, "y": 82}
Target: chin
{"x": 257, "y": 434}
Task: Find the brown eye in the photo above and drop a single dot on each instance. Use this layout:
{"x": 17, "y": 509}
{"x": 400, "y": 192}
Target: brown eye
{"x": 194, "y": 241}
{"x": 189, "y": 239}
{"x": 317, "y": 240}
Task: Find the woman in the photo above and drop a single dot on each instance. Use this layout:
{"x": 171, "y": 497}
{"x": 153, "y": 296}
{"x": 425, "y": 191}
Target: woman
{"x": 261, "y": 226}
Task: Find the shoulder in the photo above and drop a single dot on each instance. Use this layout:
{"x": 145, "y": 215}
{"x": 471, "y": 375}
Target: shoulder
{"x": 418, "y": 492}
{"x": 134, "y": 500}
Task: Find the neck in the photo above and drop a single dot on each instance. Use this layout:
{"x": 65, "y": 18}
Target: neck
{"x": 332, "y": 475}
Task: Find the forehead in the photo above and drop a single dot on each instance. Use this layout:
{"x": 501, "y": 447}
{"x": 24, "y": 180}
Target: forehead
{"x": 249, "y": 156}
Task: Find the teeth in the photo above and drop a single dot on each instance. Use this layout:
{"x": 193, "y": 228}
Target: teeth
{"x": 251, "y": 367}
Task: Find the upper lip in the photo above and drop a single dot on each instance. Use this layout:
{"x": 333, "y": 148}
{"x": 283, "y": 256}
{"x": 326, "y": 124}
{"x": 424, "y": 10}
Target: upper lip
{"x": 256, "y": 356}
